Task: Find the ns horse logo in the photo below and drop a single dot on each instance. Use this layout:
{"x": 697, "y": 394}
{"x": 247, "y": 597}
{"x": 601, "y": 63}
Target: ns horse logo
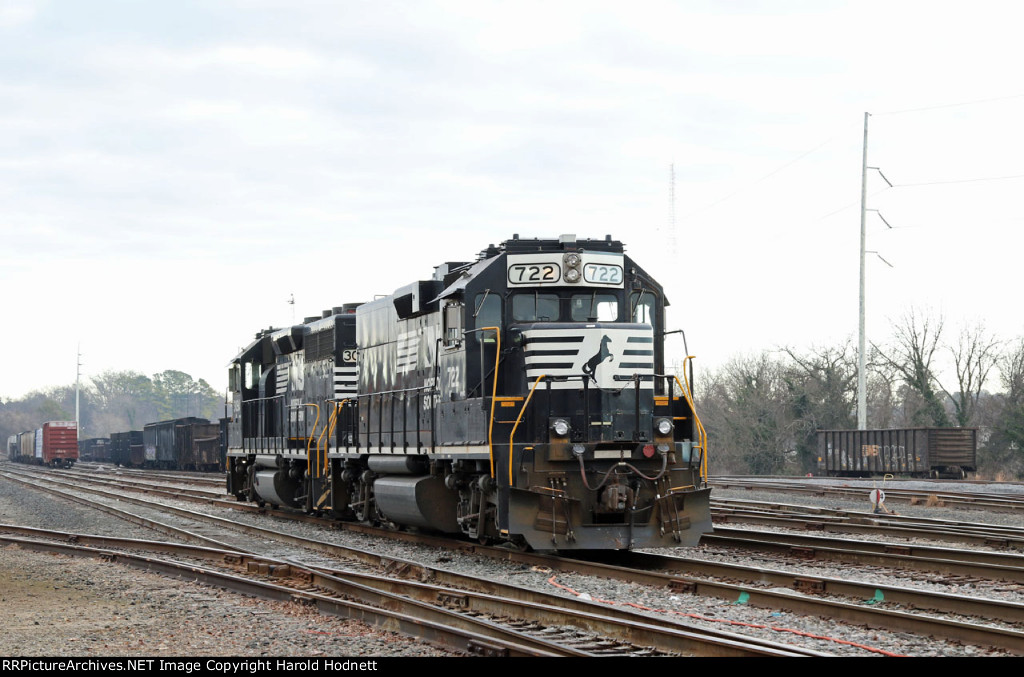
{"x": 603, "y": 354}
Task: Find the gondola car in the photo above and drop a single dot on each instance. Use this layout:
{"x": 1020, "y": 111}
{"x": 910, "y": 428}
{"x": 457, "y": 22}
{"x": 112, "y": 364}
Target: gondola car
{"x": 94, "y": 449}
{"x": 521, "y": 397}
{"x": 127, "y": 449}
{"x": 169, "y": 445}
{"x": 908, "y": 452}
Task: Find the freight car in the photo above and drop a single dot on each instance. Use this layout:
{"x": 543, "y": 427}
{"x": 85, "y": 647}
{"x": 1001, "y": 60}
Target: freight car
{"x": 27, "y": 446}
{"x": 127, "y": 449}
{"x": 521, "y": 398}
{"x": 188, "y": 443}
{"x": 911, "y": 452}
{"x": 200, "y": 447}
{"x": 95, "y": 449}
{"x": 54, "y": 445}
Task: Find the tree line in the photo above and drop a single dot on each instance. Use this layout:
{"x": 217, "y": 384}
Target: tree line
{"x": 762, "y": 411}
{"x": 115, "y": 401}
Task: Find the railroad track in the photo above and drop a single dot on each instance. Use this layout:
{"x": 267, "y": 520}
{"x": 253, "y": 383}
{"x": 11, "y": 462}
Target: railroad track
{"x": 816, "y": 595}
{"x": 937, "y": 497}
{"x": 577, "y": 623}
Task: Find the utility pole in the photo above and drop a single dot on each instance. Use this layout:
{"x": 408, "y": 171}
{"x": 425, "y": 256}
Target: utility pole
{"x": 78, "y": 375}
{"x": 862, "y": 397}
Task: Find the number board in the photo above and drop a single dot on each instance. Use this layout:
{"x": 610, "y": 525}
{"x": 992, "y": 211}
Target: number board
{"x": 545, "y": 270}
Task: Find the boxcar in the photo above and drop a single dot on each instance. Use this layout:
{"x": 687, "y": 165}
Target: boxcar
{"x": 55, "y": 444}
{"x": 12, "y": 448}
{"x": 26, "y": 447}
{"x": 914, "y": 452}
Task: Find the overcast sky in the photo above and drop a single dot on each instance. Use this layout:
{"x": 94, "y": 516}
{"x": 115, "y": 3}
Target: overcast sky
{"x": 171, "y": 173}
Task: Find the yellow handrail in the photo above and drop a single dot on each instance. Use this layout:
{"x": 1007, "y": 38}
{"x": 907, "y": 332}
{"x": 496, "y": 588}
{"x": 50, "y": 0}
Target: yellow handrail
{"x": 494, "y": 393}
{"x": 309, "y": 439}
{"x": 702, "y": 435}
{"x": 328, "y": 430}
{"x": 518, "y": 419}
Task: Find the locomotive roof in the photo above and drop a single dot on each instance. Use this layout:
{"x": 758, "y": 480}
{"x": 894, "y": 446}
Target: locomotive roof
{"x": 519, "y": 245}
{"x": 467, "y": 274}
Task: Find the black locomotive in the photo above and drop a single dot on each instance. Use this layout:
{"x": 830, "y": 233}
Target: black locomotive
{"x": 521, "y": 397}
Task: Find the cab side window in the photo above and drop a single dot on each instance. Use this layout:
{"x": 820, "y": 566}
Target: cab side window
{"x": 643, "y": 305}
{"x": 487, "y": 310}
{"x": 452, "y": 325}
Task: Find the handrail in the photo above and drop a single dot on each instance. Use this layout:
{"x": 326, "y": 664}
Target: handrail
{"x": 391, "y": 392}
{"x": 702, "y": 435}
{"x": 513, "y": 433}
{"x": 310, "y": 438}
{"x": 260, "y": 434}
{"x": 494, "y": 391}
{"x": 322, "y": 467}
{"x": 332, "y": 422}
{"x": 418, "y": 390}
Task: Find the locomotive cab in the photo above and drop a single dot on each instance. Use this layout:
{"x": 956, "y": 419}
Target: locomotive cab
{"x": 594, "y": 445}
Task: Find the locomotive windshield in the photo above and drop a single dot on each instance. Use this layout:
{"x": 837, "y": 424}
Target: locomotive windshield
{"x": 591, "y": 306}
{"x": 594, "y": 307}
{"x": 534, "y": 306}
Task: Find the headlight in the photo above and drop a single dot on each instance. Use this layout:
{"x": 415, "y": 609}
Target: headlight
{"x": 572, "y": 275}
{"x": 560, "y": 427}
{"x": 663, "y": 426}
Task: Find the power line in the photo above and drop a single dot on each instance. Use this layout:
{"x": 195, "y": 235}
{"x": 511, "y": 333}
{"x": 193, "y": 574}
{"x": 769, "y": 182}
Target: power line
{"x": 766, "y": 176}
{"x": 951, "y": 105}
{"x": 924, "y": 183}
{"x": 942, "y": 183}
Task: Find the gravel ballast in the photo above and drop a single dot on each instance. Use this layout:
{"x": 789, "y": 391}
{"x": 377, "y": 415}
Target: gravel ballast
{"x": 132, "y": 613}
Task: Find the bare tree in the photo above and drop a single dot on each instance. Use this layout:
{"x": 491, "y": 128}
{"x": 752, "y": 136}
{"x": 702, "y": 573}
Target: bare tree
{"x": 1001, "y": 455}
{"x": 914, "y": 344}
{"x": 974, "y": 356}
{"x": 883, "y": 390}
{"x": 822, "y": 387}
{"x": 746, "y": 410}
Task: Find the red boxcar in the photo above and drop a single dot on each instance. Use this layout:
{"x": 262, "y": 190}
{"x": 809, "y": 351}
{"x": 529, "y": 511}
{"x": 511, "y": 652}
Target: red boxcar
{"x": 60, "y": 443}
